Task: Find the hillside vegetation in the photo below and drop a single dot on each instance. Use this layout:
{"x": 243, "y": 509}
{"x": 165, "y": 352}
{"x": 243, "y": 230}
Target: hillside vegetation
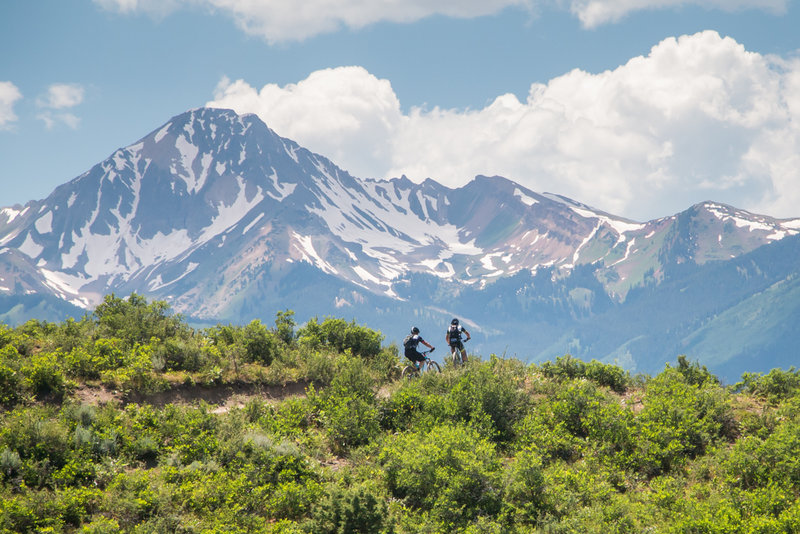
{"x": 129, "y": 420}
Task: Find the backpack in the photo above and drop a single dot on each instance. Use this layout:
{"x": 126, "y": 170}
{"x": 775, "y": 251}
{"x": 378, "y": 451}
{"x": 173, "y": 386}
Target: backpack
{"x": 408, "y": 341}
{"x": 454, "y": 334}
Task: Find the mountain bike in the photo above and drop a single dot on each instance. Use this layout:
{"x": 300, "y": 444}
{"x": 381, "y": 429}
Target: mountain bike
{"x": 427, "y": 365}
{"x": 455, "y": 354}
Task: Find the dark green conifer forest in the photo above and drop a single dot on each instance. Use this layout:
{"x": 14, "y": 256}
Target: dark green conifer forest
{"x": 130, "y": 420}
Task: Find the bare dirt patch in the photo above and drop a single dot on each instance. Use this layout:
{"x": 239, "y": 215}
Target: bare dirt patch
{"x": 97, "y": 395}
{"x": 223, "y": 396}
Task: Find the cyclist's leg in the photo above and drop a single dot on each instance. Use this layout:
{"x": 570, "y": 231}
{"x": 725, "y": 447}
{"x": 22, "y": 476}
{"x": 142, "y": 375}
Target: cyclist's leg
{"x": 413, "y": 356}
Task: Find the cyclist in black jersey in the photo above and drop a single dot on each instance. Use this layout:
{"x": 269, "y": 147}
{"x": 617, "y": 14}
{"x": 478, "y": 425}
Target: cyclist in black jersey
{"x": 410, "y": 344}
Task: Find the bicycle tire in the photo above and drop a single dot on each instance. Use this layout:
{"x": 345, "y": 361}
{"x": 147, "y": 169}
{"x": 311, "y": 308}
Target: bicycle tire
{"x": 434, "y": 367}
{"x": 409, "y": 371}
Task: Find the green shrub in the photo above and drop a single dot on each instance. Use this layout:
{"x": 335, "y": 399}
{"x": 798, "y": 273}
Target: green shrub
{"x": 776, "y": 386}
{"x": 679, "y": 420}
{"x": 180, "y": 354}
{"x": 524, "y": 488}
{"x": 27, "y": 337}
{"x": 292, "y": 417}
{"x": 349, "y": 421}
{"x": 576, "y": 418}
{"x": 541, "y": 432}
{"x": 135, "y": 372}
{"x": 487, "y": 399}
{"x": 44, "y": 376}
{"x": 449, "y": 471}
{"x": 131, "y": 498}
{"x": 320, "y": 368}
{"x": 358, "y": 509}
{"x": 10, "y": 376}
{"x": 694, "y": 373}
{"x": 135, "y": 321}
{"x": 773, "y": 461}
{"x": 10, "y": 463}
{"x": 341, "y": 336}
{"x": 404, "y": 408}
{"x": 259, "y": 343}
{"x": 284, "y": 326}
{"x": 568, "y": 368}
{"x": 70, "y": 334}
{"x": 572, "y": 487}
{"x": 188, "y": 432}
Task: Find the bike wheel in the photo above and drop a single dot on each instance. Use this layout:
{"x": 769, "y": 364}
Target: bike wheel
{"x": 409, "y": 371}
{"x": 433, "y": 367}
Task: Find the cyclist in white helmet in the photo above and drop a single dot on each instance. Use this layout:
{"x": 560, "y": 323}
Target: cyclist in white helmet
{"x": 453, "y": 337}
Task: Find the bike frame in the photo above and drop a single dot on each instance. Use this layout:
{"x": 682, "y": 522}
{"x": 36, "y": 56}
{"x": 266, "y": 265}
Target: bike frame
{"x": 455, "y": 354}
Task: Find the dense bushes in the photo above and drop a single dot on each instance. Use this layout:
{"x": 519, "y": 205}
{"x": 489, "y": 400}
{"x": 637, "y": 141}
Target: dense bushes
{"x": 448, "y": 471}
{"x": 341, "y": 336}
{"x": 492, "y": 447}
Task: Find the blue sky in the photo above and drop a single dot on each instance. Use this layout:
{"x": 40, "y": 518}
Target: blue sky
{"x": 637, "y": 107}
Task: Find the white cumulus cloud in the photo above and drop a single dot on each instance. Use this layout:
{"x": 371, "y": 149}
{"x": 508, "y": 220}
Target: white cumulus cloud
{"x": 9, "y": 94}
{"x": 60, "y": 97}
{"x": 290, "y": 20}
{"x": 594, "y": 13}
{"x": 333, "y": 111}
{"x": 698, "y": 118}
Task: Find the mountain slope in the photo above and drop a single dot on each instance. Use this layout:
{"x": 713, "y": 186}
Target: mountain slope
{"x": 226, "y": 220}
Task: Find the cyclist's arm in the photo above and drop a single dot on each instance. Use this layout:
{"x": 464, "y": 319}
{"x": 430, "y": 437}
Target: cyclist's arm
{"x": 468, "y": 336}
{"x": 426, "y": 344}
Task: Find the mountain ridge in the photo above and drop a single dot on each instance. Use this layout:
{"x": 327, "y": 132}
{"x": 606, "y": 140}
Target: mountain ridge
{"x": 216, "y": 213}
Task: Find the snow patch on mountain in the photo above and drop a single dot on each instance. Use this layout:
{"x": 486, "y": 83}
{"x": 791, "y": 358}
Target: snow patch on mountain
{"x": 66, "y": 286}
{"x": 255, "y": 221}
{"x": 527, "y": 200}
{"x": 162, "y": 132}
{"x": 228, "y": 216}
{"x": 284, "y": 188}
{"x": 367, "y": 276}
{"x": 588, "y": 238}
{"x": 742, "y": 219}
{"x": 619, "y": 225}
{"x": 10, "y": 214}
{"x": 30, "y": 247}
{"x": 157, "y": 283}
{"x": 44, "y": 224}
{"x": 438, "y": 267}
{"x": 182, "y": 168}
{"x": 308, "y": 254}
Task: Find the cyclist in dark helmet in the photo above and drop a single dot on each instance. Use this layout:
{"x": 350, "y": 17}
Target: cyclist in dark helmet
{"x": 410, "y": 344}
{"x": 453, "y": 337}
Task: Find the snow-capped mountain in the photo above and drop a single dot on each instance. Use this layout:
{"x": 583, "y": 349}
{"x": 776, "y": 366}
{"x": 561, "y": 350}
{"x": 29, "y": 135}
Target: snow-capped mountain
{"x": 221, "y": 217}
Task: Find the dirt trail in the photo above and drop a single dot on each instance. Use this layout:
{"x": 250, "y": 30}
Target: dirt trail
{"x": 225, "y": 396}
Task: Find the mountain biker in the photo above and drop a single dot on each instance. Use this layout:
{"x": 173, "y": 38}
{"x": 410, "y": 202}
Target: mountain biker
{"x": 453, "y": 338}
{"x": 411, "y": 342}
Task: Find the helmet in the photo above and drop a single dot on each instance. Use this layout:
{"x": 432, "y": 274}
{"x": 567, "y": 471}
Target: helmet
{"x": 454, "y": 322}
{"x": 415, "y": 330}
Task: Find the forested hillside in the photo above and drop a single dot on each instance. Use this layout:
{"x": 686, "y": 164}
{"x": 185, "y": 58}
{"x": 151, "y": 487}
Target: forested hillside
{"x": 129, "y": 420}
